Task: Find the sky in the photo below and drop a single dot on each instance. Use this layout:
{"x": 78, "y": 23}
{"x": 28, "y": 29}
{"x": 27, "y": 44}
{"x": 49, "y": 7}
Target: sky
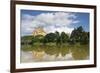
{"x": 52, "y": 21}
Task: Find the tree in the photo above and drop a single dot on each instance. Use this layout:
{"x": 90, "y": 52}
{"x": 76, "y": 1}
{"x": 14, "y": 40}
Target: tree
{"x": 80, "y": 29}
{"x": 73, "y": 37}
{"x": 79, "y": 35}
{"x": 39, "y": 38}
{"x": 57, "y": 37}
{"x": 26, "y": 40}
{"x": 84, "y": 38}
{"x": 33, "y": 40}
{"x": 76, "y": 35}
{"x": 51, "y": 37}
{"x": 64, "y": 37}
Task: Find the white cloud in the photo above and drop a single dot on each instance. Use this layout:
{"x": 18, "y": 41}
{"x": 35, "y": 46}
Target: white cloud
{"x": 51, "y": 22}
{"x": 59, "y": 29}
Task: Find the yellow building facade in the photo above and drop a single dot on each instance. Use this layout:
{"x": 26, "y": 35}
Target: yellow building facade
{"x": 39, "y": 31}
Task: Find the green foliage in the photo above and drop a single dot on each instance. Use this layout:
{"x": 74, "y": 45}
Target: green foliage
{"x": 38, "y": 38}
{"x": 58, "y": 40}
{"x": 56, "y": 37}
{"x": 85, "y": 38}
{"x": 64, "y": 37}
{"x": 26, "y": 40}
{"x": 51, "y": 37}
{"x": 79, "y": 35}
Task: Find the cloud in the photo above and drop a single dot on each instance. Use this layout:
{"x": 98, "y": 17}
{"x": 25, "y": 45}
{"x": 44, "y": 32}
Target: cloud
{"x": 51, "y": 22}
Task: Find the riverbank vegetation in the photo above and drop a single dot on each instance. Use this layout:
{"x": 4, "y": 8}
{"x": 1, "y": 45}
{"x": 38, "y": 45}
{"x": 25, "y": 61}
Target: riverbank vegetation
{"x": 57, "y": 43}
{"x": 78, "y": 35}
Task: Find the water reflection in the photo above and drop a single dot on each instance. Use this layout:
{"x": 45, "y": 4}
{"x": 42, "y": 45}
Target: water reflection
{"x": 57, "y": 53}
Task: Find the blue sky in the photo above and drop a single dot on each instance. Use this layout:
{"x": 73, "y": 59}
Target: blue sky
{"x": 52, "y": 21}
{"x": 84, "y": 21}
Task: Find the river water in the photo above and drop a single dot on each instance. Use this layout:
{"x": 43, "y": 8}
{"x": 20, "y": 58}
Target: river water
{"x": 51, "y": 53}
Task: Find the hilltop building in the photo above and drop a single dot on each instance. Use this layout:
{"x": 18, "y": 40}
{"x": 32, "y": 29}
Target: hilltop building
{"x": 39, "y": 31}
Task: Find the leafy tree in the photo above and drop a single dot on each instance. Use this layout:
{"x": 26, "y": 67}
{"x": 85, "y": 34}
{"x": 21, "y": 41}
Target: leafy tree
{"x": 79, "y": 35}
{"x": 33, "y": 40}
{"x": 84, "y": 38}
{"x": 64, "y": 37}
{"x": 73, "y": 36}
{"x": 51, "y": 37}
{"x": 80, "y": 29}
{"x": 39, "y": 38}
{"x": 57, "y": 37}
{"x": 25, "y": 40}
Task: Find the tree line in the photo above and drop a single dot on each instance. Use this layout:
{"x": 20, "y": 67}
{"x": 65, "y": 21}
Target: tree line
{"x": 78, "y": 35}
